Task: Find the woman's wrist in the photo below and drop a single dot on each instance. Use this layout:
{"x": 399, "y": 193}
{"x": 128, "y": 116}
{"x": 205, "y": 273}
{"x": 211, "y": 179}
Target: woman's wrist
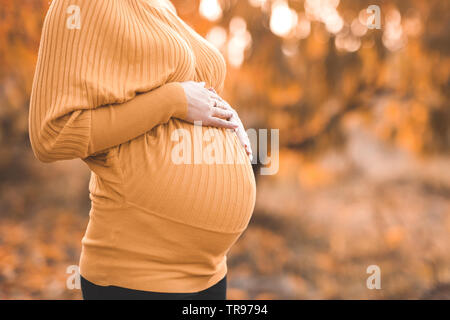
{"x": 180, "y": 100}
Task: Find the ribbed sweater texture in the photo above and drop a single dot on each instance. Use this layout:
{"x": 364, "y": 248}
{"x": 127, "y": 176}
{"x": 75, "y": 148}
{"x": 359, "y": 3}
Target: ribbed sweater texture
{"x": 107, "y": 90}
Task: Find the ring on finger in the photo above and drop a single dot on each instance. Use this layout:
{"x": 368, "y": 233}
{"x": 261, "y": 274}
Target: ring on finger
{"x": 219, "y": 104}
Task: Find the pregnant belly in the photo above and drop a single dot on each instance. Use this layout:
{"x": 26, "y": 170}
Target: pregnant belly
{"x": 199, "y": 176}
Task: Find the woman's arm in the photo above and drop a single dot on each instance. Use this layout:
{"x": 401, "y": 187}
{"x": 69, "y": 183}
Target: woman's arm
{"x": 73, "y": 113}
{"x": 83, "y": 133}
{"x": 114, "y": 125}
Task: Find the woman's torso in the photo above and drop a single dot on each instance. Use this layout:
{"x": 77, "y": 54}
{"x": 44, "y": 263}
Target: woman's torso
{"x": 168, "y": 205}
{"x": 214, "y": 187}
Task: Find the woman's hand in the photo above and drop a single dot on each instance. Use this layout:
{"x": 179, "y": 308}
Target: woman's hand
{"x": 240, "y": 130}
{"x": 202, "y": 107}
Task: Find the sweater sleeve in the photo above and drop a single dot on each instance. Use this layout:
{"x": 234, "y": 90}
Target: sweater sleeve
{"x": 74, "y": 111}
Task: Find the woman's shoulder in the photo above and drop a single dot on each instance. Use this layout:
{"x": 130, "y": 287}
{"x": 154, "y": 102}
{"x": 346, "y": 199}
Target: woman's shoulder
{"x": 98, "y": 8}
{"x": 62, "y": 9}
{"x": 85, "y": 14}
{"x": 165, "y": 4}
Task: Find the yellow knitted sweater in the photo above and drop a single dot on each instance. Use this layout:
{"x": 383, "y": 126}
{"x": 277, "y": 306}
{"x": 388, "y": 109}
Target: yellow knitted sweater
{"x": 107, "y": 90}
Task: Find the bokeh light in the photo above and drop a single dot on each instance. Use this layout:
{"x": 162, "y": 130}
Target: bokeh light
{"x": 210, "y": 9}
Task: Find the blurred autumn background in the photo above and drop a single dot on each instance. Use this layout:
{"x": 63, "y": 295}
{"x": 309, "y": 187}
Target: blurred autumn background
{"x": 364, "y": 162}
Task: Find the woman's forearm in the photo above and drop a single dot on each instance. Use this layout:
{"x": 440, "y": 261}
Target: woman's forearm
{"x": 116, "y": 124}
{"x": 84, "y": 132}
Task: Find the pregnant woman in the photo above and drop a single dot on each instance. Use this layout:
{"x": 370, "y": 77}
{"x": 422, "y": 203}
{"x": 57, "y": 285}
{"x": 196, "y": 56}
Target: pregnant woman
{"x": 121, "y": 84}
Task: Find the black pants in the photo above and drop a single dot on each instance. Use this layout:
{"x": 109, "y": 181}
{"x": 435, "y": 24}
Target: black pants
{"x": 91, "y": 291}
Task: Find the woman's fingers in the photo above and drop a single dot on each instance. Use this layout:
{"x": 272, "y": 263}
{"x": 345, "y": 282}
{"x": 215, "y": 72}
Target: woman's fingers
{"x": 239, "y": 129}
{"x": 220, "y": 123}
{"x": 221, "y": 113}
{"x": 219, "y": 103}
{"x": 243, "y": 138}
{"x": 215, "y": 96}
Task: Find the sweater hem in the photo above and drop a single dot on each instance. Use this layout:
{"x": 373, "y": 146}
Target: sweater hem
{"x": 167, "y": 286}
